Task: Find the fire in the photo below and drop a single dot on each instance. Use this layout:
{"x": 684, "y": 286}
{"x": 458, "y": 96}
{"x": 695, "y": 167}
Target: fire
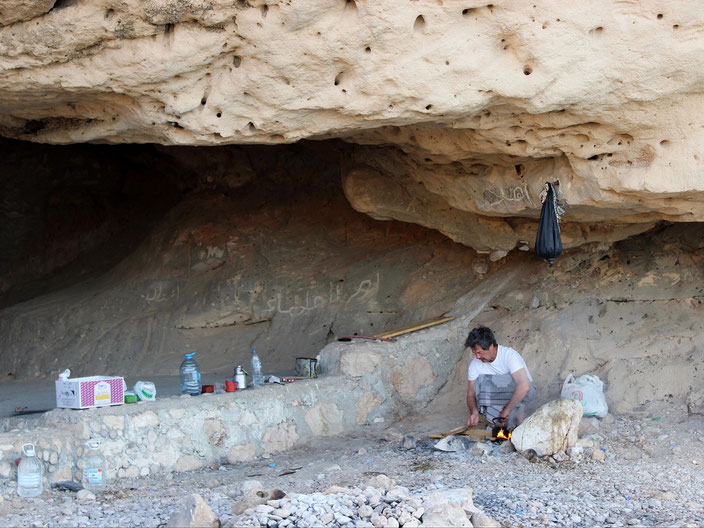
{"x": 501, "y": 435}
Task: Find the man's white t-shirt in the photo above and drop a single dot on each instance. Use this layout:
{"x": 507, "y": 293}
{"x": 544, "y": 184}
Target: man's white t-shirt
{"x": 507, "y": 361}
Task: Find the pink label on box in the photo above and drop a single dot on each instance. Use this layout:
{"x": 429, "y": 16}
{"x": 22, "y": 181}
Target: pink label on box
{"x": 89, "y": 397}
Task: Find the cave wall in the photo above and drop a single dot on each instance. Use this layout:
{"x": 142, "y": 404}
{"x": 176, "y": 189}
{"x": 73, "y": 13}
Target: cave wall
{"x": 630, "y": 313}
{"x": 221, "y": 249}
{"x": 443, "y": 120}
{"x": 95, "y": 202}
{"x": 258, "y": 247}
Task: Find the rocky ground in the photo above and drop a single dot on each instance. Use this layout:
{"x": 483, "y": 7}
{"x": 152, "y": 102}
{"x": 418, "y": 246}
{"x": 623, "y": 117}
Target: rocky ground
{"x": 650, "y": 475}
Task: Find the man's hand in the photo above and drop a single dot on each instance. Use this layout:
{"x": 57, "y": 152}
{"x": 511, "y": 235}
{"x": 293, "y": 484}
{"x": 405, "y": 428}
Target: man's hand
{"x": 472, "y": 405}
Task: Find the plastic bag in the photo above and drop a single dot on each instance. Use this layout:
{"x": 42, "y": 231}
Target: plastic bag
{"x": 589, "y": 391}
{"x": 548, "y": 242}
{"x": 145, "y": 390}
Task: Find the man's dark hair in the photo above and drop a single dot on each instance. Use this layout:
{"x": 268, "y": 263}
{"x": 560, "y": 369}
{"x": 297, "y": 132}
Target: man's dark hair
{"x": 481, "y": 336}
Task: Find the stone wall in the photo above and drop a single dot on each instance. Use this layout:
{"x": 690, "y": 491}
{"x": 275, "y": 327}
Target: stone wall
{"x": 365, "y": 384}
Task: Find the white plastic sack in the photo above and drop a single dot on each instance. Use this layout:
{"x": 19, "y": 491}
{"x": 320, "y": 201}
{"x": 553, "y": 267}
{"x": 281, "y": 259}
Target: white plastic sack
{"x": 145, "y": 390}
{"x": 589, "y": 391}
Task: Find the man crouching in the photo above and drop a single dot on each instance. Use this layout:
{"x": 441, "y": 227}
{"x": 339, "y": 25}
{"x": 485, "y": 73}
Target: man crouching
{"x": 499, "y": 383}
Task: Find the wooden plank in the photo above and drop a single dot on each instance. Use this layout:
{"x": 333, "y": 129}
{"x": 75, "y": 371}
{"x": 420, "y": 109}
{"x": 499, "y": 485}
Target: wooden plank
{"x": 457, "y": 430}
{"x": 414, "y": 327}
{"x": 478, "y": 432}
{"x": 465, "y": 431}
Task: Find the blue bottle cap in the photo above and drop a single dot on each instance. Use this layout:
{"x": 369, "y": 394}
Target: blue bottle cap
{"x": 190, "y": 355}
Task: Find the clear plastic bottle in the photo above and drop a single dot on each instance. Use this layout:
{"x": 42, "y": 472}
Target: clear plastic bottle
{"x": 190, "y": 375}
{"x": 29, "y": 473}
{"x": 257, "y": 377}
{"x": 92, "y": 466}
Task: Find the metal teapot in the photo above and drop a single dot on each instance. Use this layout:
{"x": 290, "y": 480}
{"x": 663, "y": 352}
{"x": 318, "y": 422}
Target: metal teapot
{"x": 240, "y": 378}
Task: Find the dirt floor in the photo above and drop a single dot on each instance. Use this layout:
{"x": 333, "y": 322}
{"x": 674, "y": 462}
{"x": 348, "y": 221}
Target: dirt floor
{"x": 651, "y": 476}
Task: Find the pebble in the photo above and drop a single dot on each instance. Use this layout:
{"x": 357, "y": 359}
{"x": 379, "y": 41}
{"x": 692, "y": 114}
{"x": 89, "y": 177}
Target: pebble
{"x": 85, "y": 495}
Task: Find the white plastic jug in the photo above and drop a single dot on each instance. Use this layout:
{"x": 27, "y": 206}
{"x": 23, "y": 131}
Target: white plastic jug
{"x": 92, "y": 466}
{"x": 29, "y": 473}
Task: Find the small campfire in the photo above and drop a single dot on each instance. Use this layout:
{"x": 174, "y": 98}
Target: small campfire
{"x": 497, "y": 433}
{"x": 501, "y": 434}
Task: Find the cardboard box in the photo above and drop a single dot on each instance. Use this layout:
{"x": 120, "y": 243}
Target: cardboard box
{"x": 93, "y": 391}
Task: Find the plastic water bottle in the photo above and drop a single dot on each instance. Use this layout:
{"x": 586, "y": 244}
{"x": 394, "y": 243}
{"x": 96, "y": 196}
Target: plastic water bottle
{"x": 29, "y": 473}
{"x": 190, "y": 375}
{"x": 257, "y": 377}
{"x": 92, "y": 466}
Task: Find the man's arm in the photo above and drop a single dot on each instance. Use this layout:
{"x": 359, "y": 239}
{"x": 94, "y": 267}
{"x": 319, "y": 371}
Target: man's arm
{"x": 472, "y": 405}
{"x": 522, "y": 388}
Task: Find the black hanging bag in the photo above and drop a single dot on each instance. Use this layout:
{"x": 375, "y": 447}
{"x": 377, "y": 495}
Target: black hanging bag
{"x": 548, "y": 244}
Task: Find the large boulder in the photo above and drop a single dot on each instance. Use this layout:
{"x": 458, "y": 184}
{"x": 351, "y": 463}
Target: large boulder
{"x": 551, "y": 429}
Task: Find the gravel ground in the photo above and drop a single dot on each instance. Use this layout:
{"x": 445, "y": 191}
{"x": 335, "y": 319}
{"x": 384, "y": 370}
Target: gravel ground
{"x": 651, "y": 476}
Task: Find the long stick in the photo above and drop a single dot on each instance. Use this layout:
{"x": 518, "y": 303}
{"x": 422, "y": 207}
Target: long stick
{"x": 414, "y": 327}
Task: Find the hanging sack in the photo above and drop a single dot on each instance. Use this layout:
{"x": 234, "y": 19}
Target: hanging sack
{"x": 587, "y": 390}
{"x": 548, "y": 243}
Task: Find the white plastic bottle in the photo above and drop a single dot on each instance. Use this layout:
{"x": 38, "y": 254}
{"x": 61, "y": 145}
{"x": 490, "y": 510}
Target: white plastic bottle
{"x": 29, "y": 473}
{"x": 257, "y": 377}
{"x": 92, "y": 466}
{"x": 190, "y": 375}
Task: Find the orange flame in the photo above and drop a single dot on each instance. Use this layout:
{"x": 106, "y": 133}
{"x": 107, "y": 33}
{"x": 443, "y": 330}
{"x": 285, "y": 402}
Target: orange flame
{"x": 501, "y": 435}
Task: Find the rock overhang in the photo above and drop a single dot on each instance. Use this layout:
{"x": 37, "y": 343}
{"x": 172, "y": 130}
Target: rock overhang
{"x": 457, "y": 115}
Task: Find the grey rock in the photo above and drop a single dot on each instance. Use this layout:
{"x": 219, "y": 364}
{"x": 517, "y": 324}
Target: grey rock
{"x": 193, "y": 513}
{"x": 481, "y": 449}
{"x": 341, "y": 519}
{"x": 444, "y": 514}
{"x": 480, "y": 520}
{"x": 5, "y": 469}
{"x": 506, "y": 447}
{"x": 255, "y": 498}
{"x": 409, "y": 442}
{"x": 251, "y": 485}
{"x": 381, "y": 481}
{"x": 588, "y": 425}
{"x": 598, "y": 455}
{"x": 453, "y": 443}
{"x": 396, "y": 494}
{"x": 379, "y": 521}
{"x": 85, "y": 495}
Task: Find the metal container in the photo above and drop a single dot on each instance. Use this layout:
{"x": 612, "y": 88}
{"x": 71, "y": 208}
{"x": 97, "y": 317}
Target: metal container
{"x": 240, "y": 378}
{"x": 306, "y": 367}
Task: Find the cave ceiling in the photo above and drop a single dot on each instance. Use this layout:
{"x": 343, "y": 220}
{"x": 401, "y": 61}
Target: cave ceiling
{"x": 457, "y": 113}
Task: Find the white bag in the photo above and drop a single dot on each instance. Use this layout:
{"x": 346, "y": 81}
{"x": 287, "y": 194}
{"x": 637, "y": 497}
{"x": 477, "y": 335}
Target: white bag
{"x": 145, "y": 390}
{"x": 589, "y": 391}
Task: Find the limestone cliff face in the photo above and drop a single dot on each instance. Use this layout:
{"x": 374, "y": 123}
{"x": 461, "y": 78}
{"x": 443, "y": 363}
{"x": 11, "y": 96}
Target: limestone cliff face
{"x": 460, "y": 112}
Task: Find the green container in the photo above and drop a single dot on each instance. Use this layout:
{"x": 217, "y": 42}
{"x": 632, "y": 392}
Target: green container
{"x": 130, "y": 398}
